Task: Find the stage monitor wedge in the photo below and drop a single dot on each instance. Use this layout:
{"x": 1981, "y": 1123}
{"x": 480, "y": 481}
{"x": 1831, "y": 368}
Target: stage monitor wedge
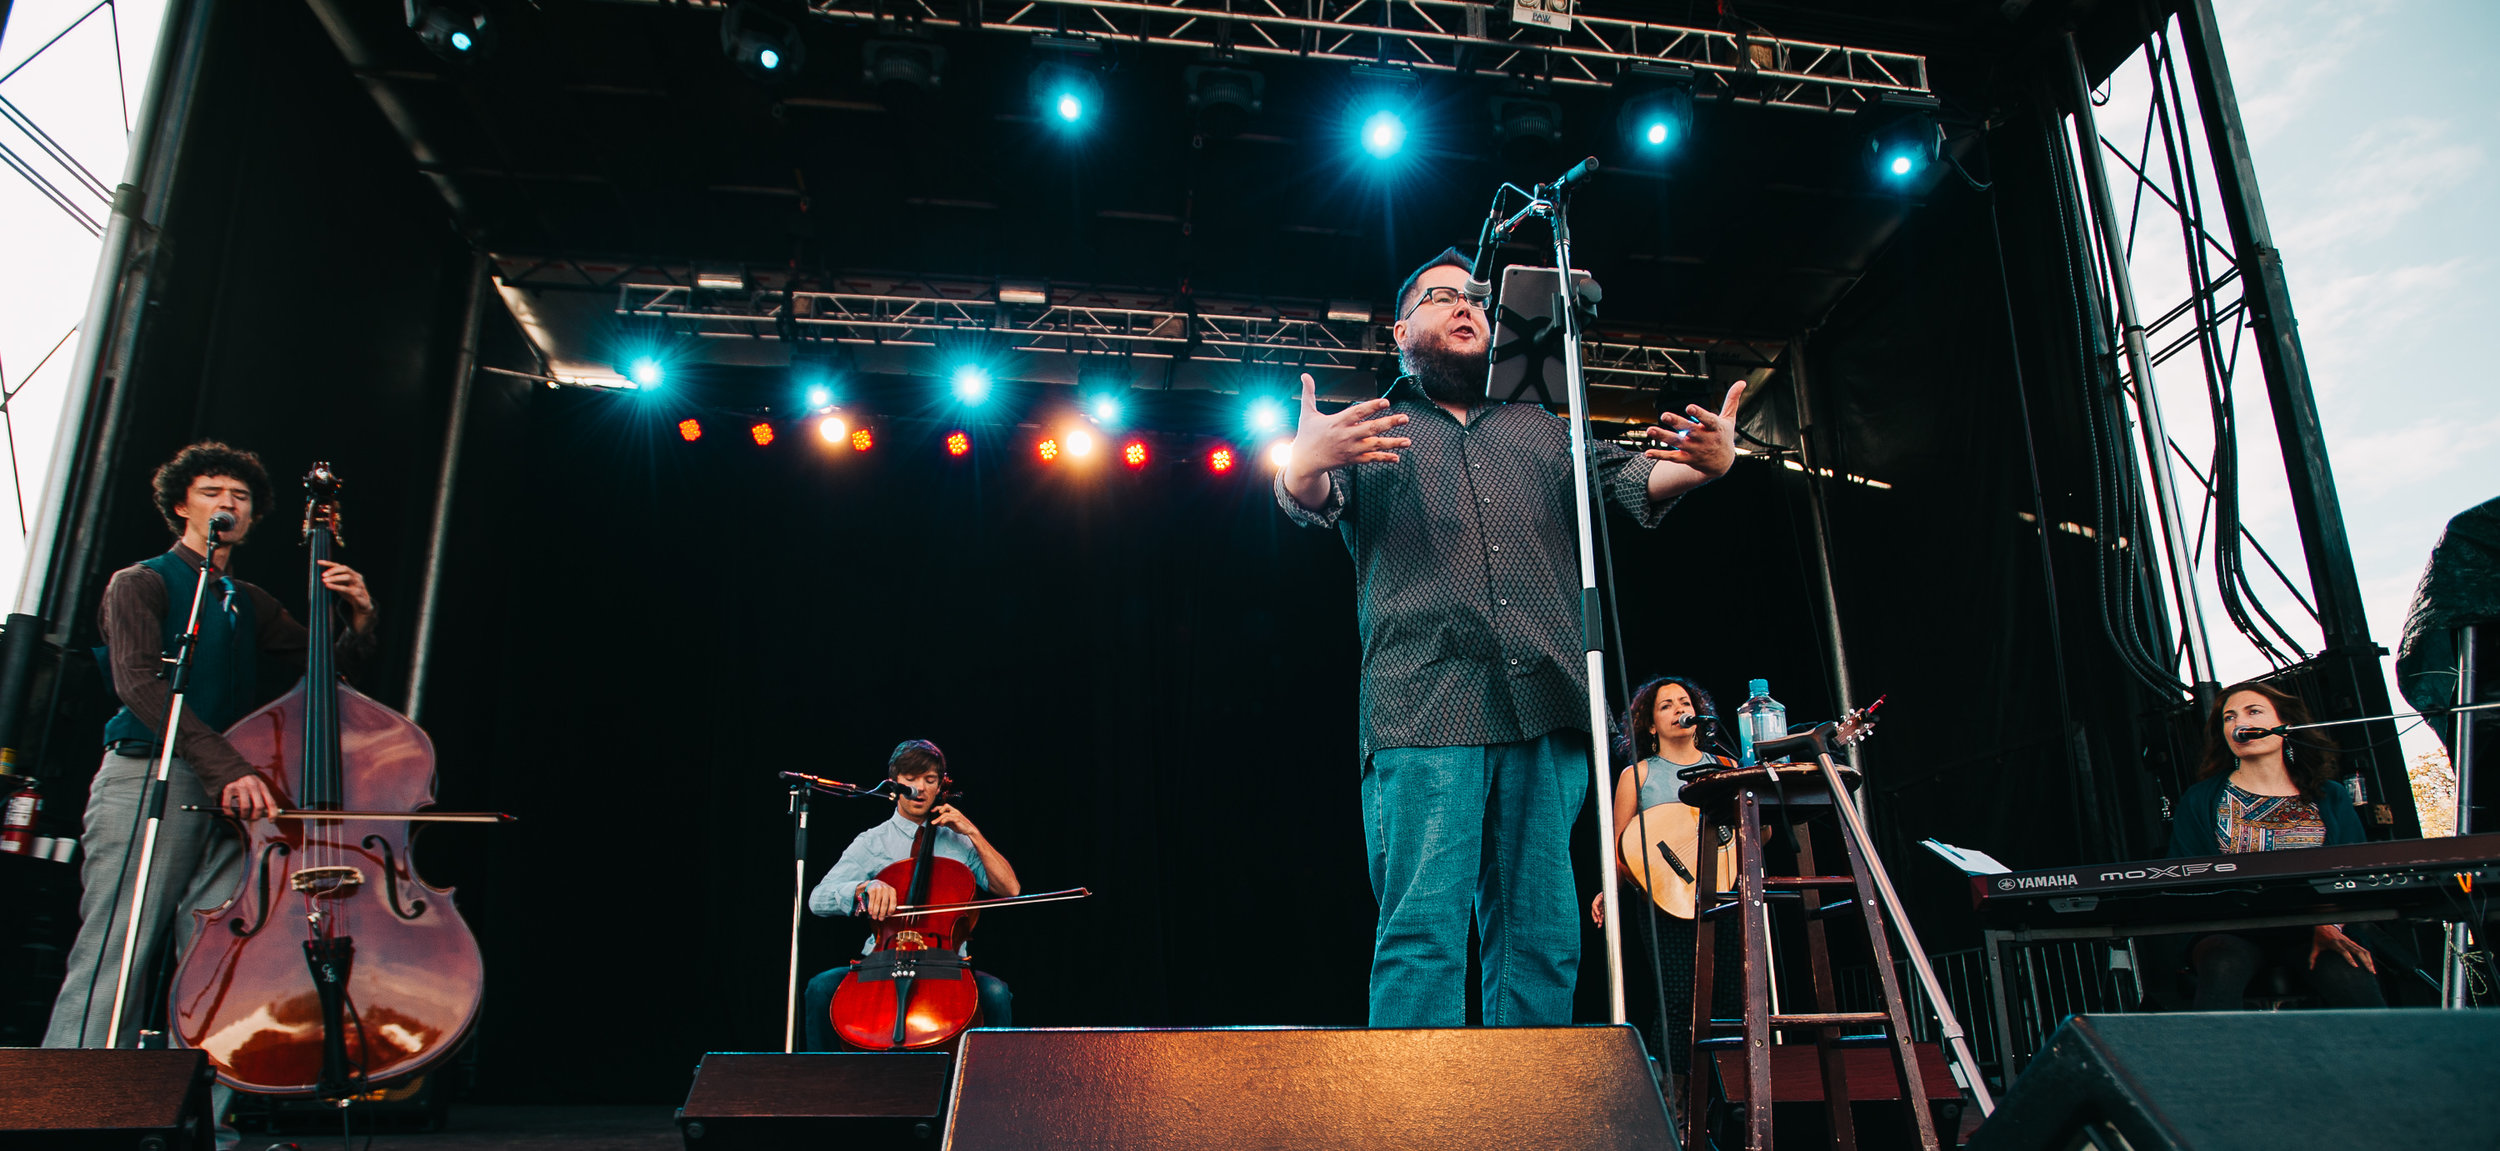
{"x": 1239, "y": 1089}
{"x": 2256, "y": 1081}
{"x": 855, "y": 1100}
{"x": 71, "y": 1100}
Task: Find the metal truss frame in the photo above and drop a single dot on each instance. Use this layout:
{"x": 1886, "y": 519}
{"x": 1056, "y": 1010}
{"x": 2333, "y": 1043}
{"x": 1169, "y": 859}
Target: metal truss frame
{"x": 893, "y": 311}
{"x": 1452, "y": 36}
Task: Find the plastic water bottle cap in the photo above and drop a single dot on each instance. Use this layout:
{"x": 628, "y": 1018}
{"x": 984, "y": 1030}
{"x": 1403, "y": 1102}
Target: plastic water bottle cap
{"x": 1757, "y": 687}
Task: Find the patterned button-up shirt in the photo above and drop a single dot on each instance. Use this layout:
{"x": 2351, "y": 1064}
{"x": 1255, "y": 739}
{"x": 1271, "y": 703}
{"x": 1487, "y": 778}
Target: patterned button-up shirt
{"x": 1467, "y": 573}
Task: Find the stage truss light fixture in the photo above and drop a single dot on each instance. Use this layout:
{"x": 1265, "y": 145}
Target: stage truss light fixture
{"x": 1904, "y": 139}
{"x": 1133, "y": 453}
{"x": 690, "y": 429}
{"x": 762, "y": 432}
{"x": 972, "y": 385}
{"x": 833, "y": 429}
{"x": 1267, "y": 414}
{"x": 458, "y": 32}
{"x": 957, "y": 443}
{"x": 862, "y": 439}
{"x": 1279, "y": 454}
{"x": 1657, "y": 110}
{"x": 1048, "y": 450}
{"x": 902, "y": 71}
{"x": 1223, "y": 97}
{"x": 646, "y": 372}
{"x": 1384, "y": 133}
{"x": 1220, "y": 460}
{"x": 1104, "y": 410}
{"x": 819, "y": 396}
{"x": 1079, "y": 443}
{"x": 1066, "y": 83}
{"x": 1525, "y": 126}
{"x": 762, "y": 43}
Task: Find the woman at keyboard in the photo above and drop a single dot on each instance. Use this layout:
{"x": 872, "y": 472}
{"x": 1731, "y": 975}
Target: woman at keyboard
{"x": 2261, "y": 790}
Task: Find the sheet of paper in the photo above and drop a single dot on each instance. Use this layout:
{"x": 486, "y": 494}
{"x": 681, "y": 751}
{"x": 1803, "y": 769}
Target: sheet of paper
{"x": 1970, "y": 860}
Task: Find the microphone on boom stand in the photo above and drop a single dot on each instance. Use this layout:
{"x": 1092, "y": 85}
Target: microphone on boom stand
{"x": 220, "y": 524}
{"x": 1579, "y": 173}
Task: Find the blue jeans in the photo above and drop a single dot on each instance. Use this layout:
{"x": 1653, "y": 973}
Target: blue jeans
{"x": 997, "y": 1006}
{"x": 1487, "y": 829}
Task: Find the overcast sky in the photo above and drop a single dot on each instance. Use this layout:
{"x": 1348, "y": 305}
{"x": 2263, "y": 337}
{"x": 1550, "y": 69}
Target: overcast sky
{"x": 2373, "y": 141}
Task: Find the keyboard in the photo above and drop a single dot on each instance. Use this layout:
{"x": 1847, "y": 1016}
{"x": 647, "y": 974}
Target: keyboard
{"x": 2447, "y": 878}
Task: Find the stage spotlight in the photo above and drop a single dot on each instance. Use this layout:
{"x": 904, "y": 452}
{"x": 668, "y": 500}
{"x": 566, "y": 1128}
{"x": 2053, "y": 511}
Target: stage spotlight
{"x": 1220, "y": 460}
{"x": 833, "y": 429}
{"x": 1133, "y": 453}
{"x": 1657, "y": 111}
{"x": 762, "y": 44}
{"x": 957, "y": 443}
{"x": 458, "y": 32}
{"x": 1105, "y": 410}
{"x": 1384, "y": 133}
{"x": 1279, "y": 454}
{"x": 902, "y": 71}
{"x": 690, "y": 430}
{"x": 1080, "y": 443}
{"x": 1525, "y": 127}
{"x": 862, "y": 440}
{"x": 1065, "y": 87}
{"x": 819, "y": 396}
{"x": 763, "y": 433}
{"x": 1905, "y": 138}
{"x": 646, "y": 372}
{"x": 1048, "y": 450}
{"x": 1223, "y": 97}
{"x": 972, "y": 384}
{"x": 1266, "y": 414}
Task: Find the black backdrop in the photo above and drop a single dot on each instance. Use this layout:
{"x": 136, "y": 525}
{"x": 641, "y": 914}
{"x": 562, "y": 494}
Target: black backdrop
{"x": 1145, "y": 681}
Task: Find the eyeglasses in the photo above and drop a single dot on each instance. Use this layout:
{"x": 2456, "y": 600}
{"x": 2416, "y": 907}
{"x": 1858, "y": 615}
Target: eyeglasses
{"x": 1440, "y": 298}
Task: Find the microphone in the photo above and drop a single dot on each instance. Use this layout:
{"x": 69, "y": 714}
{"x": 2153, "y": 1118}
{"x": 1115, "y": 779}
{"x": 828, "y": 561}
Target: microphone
{"x": 1579, "y": 172}
{"x": 2252, "y": 734}
{"x": 1480, "y": 276}
{"x": 1696, "y": 719}
{"x": 220, "y": 524}
{"x": 881, "y": 787}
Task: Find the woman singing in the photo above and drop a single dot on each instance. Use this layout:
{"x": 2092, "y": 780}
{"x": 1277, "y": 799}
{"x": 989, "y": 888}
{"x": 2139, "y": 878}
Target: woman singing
{"x": 2265, "y": 792}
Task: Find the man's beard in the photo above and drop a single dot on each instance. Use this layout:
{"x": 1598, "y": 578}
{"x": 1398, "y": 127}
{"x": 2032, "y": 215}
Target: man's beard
{"x": 1446, "y": 374}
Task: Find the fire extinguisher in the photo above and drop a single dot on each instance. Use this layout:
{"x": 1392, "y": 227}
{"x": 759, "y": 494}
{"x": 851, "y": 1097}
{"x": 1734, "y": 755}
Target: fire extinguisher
{"x": 17, "y": 832}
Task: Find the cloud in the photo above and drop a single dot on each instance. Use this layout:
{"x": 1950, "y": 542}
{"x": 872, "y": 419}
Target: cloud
{"x": 2390, "y": 171}
{"x": 2394, "y": 460}
{"x": 2283, "y": 53}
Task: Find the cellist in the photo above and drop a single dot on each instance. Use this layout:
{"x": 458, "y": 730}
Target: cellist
{"x": 852, "y": 888}
{"x": 146, "y": 605}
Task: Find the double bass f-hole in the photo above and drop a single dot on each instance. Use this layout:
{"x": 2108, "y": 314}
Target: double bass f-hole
{"x": 390, "y": 879}
{"x": 236, "y": 925}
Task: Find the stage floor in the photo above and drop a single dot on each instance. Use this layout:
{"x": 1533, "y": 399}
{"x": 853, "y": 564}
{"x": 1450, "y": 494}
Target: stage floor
{"x": 479, "y": 1128}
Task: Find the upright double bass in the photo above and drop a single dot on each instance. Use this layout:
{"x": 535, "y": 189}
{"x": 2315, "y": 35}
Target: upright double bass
{"x": 334, "y": 967}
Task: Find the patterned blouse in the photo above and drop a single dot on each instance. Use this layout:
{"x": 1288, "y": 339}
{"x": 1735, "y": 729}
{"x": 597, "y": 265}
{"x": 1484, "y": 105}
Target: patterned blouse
{"x": 2247, "y": 821}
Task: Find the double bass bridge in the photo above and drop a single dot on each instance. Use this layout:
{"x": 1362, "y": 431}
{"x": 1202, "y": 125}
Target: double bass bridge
{"x": 334, "y": 880}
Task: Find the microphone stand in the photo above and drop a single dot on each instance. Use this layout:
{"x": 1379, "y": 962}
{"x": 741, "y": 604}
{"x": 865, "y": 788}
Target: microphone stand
{"x": 801, "y": 786}
{"x": 2432, "y": 714}
{"x": 1550, "y": 202}
{"x": 152, "y": 793}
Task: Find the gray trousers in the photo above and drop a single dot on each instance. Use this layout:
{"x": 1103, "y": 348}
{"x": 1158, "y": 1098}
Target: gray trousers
{"x": 198, "y": 862}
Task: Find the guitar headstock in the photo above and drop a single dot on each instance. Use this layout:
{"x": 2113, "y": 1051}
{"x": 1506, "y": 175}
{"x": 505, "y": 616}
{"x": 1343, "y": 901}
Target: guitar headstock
{"x": 321, "y": 501}
{"x": 1860, "y": 723}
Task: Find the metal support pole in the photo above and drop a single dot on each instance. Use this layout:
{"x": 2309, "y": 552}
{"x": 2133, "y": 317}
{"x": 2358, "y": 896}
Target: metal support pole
{"x": 2182, "y": 559}
{"x": 446, "y": 481}
{"x": 84, "y": 443}
{"x": 2335, "y": 586}
{"x": 2461, "y": 936}
{"x": 1816, "y": 507}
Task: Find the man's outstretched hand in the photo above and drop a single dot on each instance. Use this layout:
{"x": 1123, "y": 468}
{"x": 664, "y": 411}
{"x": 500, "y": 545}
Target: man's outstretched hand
{"x": 1696, "y": 450}
{"x": 1322, "y": 443}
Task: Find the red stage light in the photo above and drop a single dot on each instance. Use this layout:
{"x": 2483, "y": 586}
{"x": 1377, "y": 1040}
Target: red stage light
{"x": 690, "y": 430}
{"x": 861, "y": 441}
{"x": 1134, "y": 453}
{"x": 1221, "y": 459}
{"x": 763, "y": 433}
{"x": 1048, "y": 450}
{"x": 957, "y": 443}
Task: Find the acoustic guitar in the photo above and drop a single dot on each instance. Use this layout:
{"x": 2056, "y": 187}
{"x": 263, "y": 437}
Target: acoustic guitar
{"x": 1661, "y": 846}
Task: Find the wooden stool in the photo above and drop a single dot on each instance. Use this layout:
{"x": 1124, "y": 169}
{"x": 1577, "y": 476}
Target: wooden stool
{"x": 1792, "y": 793}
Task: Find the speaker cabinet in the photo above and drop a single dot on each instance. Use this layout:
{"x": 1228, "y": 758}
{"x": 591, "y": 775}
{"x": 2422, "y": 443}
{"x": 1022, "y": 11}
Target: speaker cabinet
{"x": 125, "y": 1100}
{"x": 1799, "y": 1118}
{"x": 850, "y": 1100}
{"x": 2256, "y": 1081}
{"x": 1472, "y": 1089}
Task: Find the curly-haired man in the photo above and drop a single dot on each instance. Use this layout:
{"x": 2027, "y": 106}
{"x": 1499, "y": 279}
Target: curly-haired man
{"x": 198, "y": 859}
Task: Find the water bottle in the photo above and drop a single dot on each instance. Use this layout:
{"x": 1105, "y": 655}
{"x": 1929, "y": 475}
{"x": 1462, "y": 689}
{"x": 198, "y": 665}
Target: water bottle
{"x": 1758, "y": 719}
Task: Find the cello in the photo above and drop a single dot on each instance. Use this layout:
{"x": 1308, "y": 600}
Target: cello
{"x": 333, "y": 968}
{"x": 914, "y": 988}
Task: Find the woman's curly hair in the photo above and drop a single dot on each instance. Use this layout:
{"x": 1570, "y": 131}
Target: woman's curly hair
{"x": 207, "y": 458}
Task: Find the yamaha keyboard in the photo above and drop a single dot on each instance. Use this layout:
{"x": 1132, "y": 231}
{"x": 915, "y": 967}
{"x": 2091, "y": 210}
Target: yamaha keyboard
{"x": 2445, "y": 878}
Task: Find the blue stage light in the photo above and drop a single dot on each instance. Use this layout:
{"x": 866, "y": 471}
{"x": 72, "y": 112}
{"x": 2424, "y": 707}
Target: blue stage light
{"x": 1106, "y": 410}
{"x": 461, "y": 42}
{"x": 820, "y": 396}
{"x": 972, "y": 384}
{"x": 1070, "y": 107}
{"x": 1656, "y": 135}
{"x": 1657, "y": 106}
{"x": 768, "y": 59}
{"x": 1066, "y": 93}
{"x": 1901, "y": 165}
{"x": 1384, "y": 133}
{"x": 646, "y": 372}
{"x": 1266, "y": 415}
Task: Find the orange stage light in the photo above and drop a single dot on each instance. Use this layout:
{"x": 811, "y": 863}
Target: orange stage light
{"x": 762, "y": 432}
{"x": 1221, "y": 459}
{"x": 1048, "y": 450}
{"x": 1134, "y": 453}
{"x": 861, "y": 441}
{"x": 957, "y": 443}
{"x": 690, "y": 430}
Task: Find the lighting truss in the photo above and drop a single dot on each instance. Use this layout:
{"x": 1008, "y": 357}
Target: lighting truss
{"x": 1438, "y": 36}
{"x": 891, "y": 312}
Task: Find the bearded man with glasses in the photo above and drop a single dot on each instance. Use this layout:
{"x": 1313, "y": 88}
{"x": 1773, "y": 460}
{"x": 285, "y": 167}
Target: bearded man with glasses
{"x": 1474, "y": 740}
